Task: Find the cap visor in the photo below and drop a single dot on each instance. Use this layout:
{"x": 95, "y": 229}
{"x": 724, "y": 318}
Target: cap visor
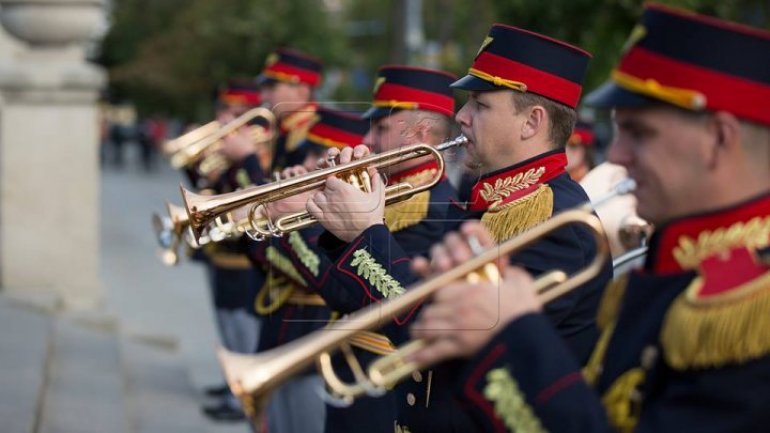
{"x": 469, "y": 82}
{"x": 378, "y": 112}
{"x": 263, "y": 80}
{"x": 610, "y": 95}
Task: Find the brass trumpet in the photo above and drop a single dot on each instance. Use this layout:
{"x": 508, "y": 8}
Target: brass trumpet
{"x": 201, "y": 145}
{"x": 253, "y": 377}
{"x": 171, "y": 147}
{"x": 202, "y": 210}
{"x": 169, "y": 231}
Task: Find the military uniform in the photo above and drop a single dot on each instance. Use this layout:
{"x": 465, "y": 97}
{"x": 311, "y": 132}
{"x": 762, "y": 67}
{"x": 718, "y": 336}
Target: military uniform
{"x": 508, "y": 202}
{"x": 414, "y": 224}
{"x": 685, "y": 344}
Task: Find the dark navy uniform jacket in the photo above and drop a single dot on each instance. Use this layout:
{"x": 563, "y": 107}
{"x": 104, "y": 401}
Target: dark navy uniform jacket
{"x": 508, "y": 201}
{"x": 685, "y": 344}
{"x": 415, "y": 225}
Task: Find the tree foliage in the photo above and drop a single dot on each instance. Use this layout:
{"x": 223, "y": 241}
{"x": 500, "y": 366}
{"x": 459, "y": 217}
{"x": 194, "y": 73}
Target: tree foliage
{"x": 170, "y": 55}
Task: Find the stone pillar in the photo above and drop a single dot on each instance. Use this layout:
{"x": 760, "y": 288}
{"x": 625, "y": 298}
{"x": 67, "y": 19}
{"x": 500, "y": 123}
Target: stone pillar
{"x": 49, "y": 143}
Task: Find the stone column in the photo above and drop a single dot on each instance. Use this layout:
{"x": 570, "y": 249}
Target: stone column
{"x": 49, "y": 142}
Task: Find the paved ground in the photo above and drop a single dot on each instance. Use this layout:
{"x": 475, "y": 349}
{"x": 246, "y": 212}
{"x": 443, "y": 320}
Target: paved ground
{"x": 135, "y": 366}
{"x": 167, "y": 308}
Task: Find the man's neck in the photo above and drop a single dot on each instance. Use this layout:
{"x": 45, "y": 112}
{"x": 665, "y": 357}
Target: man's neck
{"x": 518, "y": 154}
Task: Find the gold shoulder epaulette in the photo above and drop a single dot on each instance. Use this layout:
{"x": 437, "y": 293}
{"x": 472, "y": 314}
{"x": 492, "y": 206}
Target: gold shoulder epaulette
{"x": 723, "y": 317}
{"x": 517, "y": 216}
{"x": 408, "y": 212}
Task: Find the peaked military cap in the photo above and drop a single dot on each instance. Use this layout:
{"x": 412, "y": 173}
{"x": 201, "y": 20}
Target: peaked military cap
{"x": 336, "y": 128}
{"x": 582, "y": 135}
{"x": 239, "y": 91}
{"x": 411, "y": 88}
{"x": 694, "y": 62}
{"x": 291, "y": 66}
{"x": 525, "y": 61}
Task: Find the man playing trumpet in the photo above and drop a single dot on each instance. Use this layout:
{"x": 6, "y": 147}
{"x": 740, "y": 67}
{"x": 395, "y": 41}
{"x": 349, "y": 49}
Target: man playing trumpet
{"x": 521, "y": 110}
{"x": 685, "y": 344}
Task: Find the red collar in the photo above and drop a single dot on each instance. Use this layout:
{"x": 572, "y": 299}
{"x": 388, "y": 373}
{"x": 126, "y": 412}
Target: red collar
{"x": 506, "y": 185}
{"x": 299, "y": 118}
{"x": 419, "y": 175}
{"x": 686, "y": 242}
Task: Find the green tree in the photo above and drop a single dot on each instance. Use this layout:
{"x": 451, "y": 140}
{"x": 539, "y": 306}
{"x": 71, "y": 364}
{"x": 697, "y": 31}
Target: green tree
{"x": 170, "y": 56}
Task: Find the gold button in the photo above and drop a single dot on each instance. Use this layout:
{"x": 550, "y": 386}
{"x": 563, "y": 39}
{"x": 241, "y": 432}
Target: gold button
{"x": 411, "y": 399}
{"x": 417, "y": 376}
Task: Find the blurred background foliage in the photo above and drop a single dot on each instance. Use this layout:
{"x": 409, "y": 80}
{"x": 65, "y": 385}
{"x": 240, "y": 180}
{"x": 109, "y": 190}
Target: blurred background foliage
{"x": 168, "y": 57}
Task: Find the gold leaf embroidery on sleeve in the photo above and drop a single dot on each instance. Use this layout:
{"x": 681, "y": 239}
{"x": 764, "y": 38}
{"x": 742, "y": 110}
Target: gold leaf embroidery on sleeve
{"x": 510, "y": 405}
{"x": 283, "y": 264}
{"x": 368, "y": 268}
{"x": 308, "y": 258}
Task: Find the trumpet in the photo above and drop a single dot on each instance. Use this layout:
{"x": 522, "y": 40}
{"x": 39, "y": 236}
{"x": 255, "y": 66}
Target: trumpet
{"x": 253, "y": 377}
{"x": 202, "y": 210}
{"x": 171, "y": 147}
{"x": 169, "y": 231}
{"x": 201, "y": 145}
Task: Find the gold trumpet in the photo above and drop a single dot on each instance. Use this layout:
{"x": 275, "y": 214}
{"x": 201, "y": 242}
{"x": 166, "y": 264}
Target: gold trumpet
{"x": 169, "y": 231}
{"x": 202, "y": 210}
{"x": 171, "y": 147}
{"x": 201, "y": 145}
{"x": 253, "y": 377}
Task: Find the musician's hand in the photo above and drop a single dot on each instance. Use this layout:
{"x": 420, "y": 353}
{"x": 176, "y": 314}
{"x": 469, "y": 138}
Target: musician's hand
{"x": 237, "y": 145}
{"x": 454, "y": 250}
{"x": 347, "y": 211}
{"x": 343, "y": 156}
{"x": 464, "y": 317}
{"x": 292, "y": 204}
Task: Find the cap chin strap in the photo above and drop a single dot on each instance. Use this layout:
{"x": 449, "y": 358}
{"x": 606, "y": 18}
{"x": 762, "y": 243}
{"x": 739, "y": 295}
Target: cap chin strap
{"x": 498, "y": 81}
{"x": 684, "y": 98}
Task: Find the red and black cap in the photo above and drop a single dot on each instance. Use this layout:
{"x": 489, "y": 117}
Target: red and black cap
{"x": 291, "y": 66}
{"x": 409, "y": 88}
{"x": 582, "y": 135}
{"x": 517, "y": 59}
{"x": 694, "y": 62}
{"x": 239, "y": 92}
{"x": 336, "y": 128}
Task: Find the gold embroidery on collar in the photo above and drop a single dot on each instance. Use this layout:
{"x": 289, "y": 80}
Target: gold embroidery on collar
{"x": 367, "y": 267}
{"x": 504, "y": 187}
{"x": 284, "y": 265}
{"x": 754, "y": 234}
{"x": 510, "y": 405}
{"x": 308, "y": 258}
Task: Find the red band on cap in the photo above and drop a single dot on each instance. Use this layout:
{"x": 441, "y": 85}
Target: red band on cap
{"x": 537, "y": 81}
{"x": 425, "y": 100}
{"x": 744, "y": 98}
{"x": 303, "y": 75}
{"x": 335, "y": 134}
{"x": 240, "y": 97}
{"x": 582, "y": 137}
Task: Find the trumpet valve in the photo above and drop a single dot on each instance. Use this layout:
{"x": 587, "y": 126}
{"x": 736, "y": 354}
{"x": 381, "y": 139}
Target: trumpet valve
{"x": 360, "y": 179}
